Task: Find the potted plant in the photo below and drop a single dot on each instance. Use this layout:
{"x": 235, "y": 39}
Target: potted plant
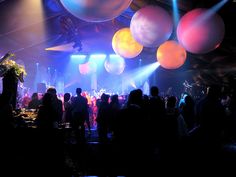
{"x": 11, "y": 73}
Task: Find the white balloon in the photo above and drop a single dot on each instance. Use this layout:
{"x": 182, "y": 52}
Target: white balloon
{"x": 115, "y": 64}
{"x": 151, "y": 26}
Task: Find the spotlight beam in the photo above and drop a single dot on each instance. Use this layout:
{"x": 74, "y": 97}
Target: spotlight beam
{"x": 175, "y": 13}
{"x": 135, "y": 77}
{"x": 210, "y": 12}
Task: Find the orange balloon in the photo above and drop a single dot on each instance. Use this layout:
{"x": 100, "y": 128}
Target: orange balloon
{"x": 171, "y": 55}
{"x": 124, "y": 44}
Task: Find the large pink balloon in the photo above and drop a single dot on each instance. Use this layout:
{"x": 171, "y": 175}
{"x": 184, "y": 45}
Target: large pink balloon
{"x": 151, "y": 26}
{"x": 171, "y": 55}
{"x": 200, "y": 31}
{"x": 96, "y": 10}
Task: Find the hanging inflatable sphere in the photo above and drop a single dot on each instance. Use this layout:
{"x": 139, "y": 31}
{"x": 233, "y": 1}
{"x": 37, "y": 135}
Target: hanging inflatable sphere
{"x": 96, "y": 10}
{"x": 115, "y": 64}
{"x": 124, "y": 44}
{"x": 200, "y": 31}
{"x": 87, "y": 68}
{"x": 151, "y": 26}
{"x": 171, "y": 55}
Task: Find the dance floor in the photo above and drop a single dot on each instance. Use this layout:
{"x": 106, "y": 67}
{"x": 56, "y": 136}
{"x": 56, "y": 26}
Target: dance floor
{"x": 29, "y": 152}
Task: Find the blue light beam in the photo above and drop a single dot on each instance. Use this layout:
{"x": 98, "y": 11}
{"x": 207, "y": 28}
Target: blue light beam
{"x": 138, "y": 76}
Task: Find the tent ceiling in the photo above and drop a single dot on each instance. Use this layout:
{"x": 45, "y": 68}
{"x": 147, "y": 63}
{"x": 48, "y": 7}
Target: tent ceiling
{"x": 27, "y": 31}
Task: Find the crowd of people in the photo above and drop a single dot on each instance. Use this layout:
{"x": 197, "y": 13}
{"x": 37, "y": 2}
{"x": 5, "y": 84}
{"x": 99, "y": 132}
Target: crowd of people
{"x": 129, "y": 115}
{"x": 166, "y": 125}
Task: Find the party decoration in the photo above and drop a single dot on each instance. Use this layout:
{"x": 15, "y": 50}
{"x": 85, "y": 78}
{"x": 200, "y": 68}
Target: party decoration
{"x": 124, "y": 44}
{"x": 151, "y": 26}
{"x": 171, "y": 55}
{"x": 115, "y": 64}
{"x": 96, "y": 10}
{"x": 200, "y": 31}
{"x": 88, "y": 68}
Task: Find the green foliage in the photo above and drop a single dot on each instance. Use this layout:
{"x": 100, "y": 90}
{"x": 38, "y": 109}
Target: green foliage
{"x": 7, "y": 64}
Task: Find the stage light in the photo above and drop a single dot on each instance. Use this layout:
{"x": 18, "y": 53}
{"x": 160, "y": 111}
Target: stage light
{"x": 78, "y": 59}
{"x": 132, "y": 83}
{"x": 97, "y": 58}
{"x": 138, "y": 76}
{"x": 31, "y": 13}
{"x": 175, "y": 13}
{"x": 64, "y": 48}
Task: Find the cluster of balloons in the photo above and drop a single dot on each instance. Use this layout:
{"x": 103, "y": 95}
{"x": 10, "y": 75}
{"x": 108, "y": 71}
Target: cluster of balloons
{"x": 150, "y": 26}
{"x": 115, "y": 64}
{"x": 199, "y": 31}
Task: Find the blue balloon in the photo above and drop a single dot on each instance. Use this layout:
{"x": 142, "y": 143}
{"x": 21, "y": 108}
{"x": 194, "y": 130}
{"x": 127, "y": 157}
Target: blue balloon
{"x": 96, "y": 10}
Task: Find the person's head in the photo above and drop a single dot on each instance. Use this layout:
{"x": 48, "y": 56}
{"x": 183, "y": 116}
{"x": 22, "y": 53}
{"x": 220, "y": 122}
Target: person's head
{"x": 105, "y": 97}
{"x": 34, "y": 96}
{"x": 188, "y": 100}
{"x": 52, "y": 91}
{"x": 135, "y": 97}
{"x": 67, "y": 97}
{"x": 154, "y": 91}
{"x": 78, "y": 91}
{"x": 145, "y": 98}
{"x": 139, "y": 93}
{"x": 171, "y": 102}
{"x": 47, "y": 99}
{"x": 114, "y": 98}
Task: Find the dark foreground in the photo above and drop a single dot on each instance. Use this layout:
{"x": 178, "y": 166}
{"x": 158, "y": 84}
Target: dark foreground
{"x": 31, "y": 152}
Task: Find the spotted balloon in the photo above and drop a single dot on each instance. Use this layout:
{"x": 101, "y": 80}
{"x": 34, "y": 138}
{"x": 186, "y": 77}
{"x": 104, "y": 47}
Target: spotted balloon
{"x": 151, "y": 26}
